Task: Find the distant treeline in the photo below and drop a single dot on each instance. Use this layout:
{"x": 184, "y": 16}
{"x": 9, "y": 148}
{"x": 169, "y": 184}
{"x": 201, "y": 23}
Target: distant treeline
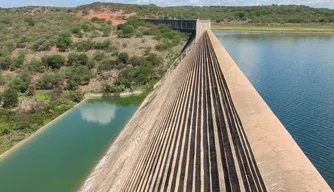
{"x": 247, "y": 14}
{"x": 250, "y": 14}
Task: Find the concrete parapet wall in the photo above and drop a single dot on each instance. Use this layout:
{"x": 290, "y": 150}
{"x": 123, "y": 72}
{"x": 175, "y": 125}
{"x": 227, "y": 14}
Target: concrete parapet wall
{"x": 201, "y": 27}
{"x": 283, "y": 165}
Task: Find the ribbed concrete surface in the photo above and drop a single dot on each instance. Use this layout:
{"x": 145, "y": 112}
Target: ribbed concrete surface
{"x": 188, "y": 136}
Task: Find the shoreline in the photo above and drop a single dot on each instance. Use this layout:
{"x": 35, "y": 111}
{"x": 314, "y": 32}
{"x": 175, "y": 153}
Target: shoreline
{"x": 106, "y": 95}
{"x": 87, "y": 96}
{"x": 275, "y": 29}
{"x": 36, "y": 133}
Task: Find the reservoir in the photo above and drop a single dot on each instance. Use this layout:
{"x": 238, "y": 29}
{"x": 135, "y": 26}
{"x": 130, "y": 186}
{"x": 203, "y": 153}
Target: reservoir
{"x": 294, "y": 73}
{"x": 61, "y": 156}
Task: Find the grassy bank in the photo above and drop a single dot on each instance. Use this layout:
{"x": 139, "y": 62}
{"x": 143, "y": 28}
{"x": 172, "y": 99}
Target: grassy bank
{"x": 276, "y": 28}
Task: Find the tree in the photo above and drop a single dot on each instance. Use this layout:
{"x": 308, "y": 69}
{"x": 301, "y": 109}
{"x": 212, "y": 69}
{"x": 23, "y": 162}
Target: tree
{"x": 64, "y": 41}
{"x": 123, "y": 57}
{"x": 10, "y": 98}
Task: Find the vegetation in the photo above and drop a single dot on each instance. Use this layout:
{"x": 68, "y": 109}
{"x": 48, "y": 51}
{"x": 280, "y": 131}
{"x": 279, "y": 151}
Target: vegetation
{"x": 49, "y": 57}
{"x": 248, "y": 14}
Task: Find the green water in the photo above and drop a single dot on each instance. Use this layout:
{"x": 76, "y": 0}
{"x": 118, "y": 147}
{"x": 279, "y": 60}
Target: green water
{"x": 61, "y": 157}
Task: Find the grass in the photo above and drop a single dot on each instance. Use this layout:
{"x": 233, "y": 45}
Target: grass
{"x": 42, "y": 95}
{"x": 276, "y": 28}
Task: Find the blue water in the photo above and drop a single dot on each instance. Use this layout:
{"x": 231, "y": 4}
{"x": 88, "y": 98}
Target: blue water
{"x": 294, "y": 73}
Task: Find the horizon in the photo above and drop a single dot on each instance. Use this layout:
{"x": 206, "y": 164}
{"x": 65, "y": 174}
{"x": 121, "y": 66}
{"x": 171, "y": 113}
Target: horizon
{"x": 69, "y": 4}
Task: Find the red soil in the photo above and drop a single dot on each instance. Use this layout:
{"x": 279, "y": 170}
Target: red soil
{"x": 116, "y": 17}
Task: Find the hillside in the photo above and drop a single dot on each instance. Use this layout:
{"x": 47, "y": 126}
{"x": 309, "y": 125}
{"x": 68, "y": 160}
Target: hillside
{"x": 50, "y": 57}
{"x": 247, "y": 14}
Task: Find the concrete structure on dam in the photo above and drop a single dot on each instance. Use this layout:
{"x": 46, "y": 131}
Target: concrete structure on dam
{"x": 204, "y": 128}
{"x": 193, "y": 26}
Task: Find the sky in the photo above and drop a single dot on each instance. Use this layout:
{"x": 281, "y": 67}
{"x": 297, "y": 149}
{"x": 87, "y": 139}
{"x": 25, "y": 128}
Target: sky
{"x": 73, "y": 3}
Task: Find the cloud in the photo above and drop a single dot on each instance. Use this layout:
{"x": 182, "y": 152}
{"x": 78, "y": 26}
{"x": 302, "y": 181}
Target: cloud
{"x": 102, "y": 113}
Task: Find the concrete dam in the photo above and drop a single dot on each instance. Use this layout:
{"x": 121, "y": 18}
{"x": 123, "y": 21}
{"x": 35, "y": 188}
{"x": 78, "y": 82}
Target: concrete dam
{"x": 204, "y": 128}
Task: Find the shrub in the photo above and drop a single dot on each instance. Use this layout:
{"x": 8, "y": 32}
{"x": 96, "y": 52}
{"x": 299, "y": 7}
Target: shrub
{"x": 48, "y": 81}
{"x": 18, "y": 85}
{"x": 147, "y": 51}
{"x": 64, "y": 41}
{"x": 163, "y": 46}
{"x": 54, "y": 61}
{"x": 97, "y": 20}
{"x": 75, "y": 30}
{"x": 99, "y": 55}
{"x": 127, "y": 30}
{"x": 134, "y": 60}
{"x": 102, "y": 45}
{"x": 80, "y": 76}
{"x": 86, "y": 27}
{"x": 107, "y": 64}
{"x": 123, "y": 57}
{"x": 30, "y": 21}
{"x": 176, "y": 40}
{"x": 2, "y": 80}
{"x": 111, "y": 88}
{"x": 10, "y": 98}
{"x": 139, "y": 34}
{"x": 19, "y": 60}
{"x": 41, "y": 45}
{"x": 106, "y": 31}
{"x": 152, "y": 57}
{"x": 84, "y": 46}
{"x": 79, "y": 59}
{"x": 36, "y": 66}
{"x": 91, "y": 63}
{"x": 21, "y": 83}
{"x": 5, "y": 62}
{"x": 144, "y": 72}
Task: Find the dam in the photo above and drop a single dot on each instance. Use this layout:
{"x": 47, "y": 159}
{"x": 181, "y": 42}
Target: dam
{"x": 204, "y": 128}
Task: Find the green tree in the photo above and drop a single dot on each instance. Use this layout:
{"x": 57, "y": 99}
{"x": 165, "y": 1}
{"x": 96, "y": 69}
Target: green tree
{"x": 10, "y": 98}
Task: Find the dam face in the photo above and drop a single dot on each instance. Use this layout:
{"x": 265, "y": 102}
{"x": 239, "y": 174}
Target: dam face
{"x": 204, "y": 128}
